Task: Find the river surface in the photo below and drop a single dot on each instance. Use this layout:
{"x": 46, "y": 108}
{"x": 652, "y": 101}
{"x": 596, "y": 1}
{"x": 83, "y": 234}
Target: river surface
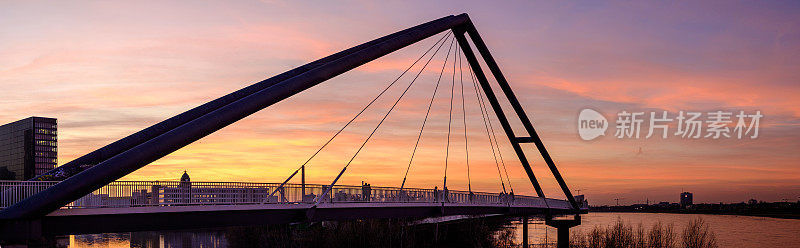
{"x": 731, "y": 231}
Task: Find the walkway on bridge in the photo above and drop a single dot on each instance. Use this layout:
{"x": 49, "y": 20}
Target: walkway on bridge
{"x": 158, "y": 205}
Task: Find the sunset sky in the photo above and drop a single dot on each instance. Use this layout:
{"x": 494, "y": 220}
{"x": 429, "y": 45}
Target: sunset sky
{"x": 107, "y": 69}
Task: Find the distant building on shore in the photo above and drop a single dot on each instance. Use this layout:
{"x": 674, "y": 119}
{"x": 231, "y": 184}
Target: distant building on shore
{"x": 28, "y": 148}
{"x": 686, "y": 199}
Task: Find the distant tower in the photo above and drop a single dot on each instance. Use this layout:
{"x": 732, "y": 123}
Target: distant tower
{"x": 185, "y": 177}
{"x": 186, "y": 188}
{"x": 185, "y": 180}
{"x": 686, "y": 199}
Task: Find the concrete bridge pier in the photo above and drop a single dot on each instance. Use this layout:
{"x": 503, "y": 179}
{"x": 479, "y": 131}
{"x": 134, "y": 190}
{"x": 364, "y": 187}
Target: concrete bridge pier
{"x": 525, "y": 231}
{"x": 563, "y": 226}
{"x": 28, "y": 234}
{"x": 20, "y": 233}
{"x": 41, "y": 242}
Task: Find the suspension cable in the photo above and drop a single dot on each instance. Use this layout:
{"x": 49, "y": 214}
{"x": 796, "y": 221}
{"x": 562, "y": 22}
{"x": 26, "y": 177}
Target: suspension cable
{"x": 464, "y": 115}
{"x": 489, "y": 136}
{"x": 327, "y": 190}
{"x": 424, "y": 121}
{"x": 494, "y": 136}
{"x": 442, "y": 40}
{"x": 449, "y": 123}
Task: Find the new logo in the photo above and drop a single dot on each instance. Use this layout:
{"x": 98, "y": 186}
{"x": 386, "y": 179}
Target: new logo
{"x": 591, "y": 124}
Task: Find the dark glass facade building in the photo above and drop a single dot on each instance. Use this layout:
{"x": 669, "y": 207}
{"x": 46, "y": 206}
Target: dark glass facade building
{"x": 28, "y": 148}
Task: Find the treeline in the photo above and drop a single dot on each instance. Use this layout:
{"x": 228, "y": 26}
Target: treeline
{"x": 622, "y": 235}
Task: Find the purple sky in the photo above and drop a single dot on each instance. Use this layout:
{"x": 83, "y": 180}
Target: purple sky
{"x": 108, "y": 69}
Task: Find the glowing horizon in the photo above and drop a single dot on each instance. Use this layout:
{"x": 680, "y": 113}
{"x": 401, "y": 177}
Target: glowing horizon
{"x": 107, "y": 70}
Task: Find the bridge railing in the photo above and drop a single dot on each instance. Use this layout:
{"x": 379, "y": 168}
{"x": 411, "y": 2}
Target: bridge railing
{"x": 14, "y": 191}
{"x": 175, "y": 193}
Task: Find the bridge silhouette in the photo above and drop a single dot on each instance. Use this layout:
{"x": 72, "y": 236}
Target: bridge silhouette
{"x": 84, "y": 196}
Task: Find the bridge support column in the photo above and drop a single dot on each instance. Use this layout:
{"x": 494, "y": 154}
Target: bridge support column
{"x": 28, "y": 234}
{"x": 563, "y": 227}
{"x": 41, "y": 242}
{"x": 525, "y": 231}
{"x": 20, "y": 231}
{"x": 436, "y": 234}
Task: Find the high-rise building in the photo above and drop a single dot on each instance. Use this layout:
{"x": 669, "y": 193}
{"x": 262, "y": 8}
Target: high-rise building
{"x": 28, "y": 148}
{"x": 686, "y": 199}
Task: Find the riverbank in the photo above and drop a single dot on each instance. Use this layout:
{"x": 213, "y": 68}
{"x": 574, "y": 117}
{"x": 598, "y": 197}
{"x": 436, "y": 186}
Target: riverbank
{"x": 788, "y": 214}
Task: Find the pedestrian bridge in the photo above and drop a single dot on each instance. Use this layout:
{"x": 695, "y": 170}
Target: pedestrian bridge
{"x": 83, "y": 196}
{"x": 161, "y": 205}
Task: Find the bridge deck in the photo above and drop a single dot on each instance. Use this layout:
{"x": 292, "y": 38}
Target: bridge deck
{"x": 134, "y": 206}
{"x": 96, "y": 220}
{"x": 555, "y": 205}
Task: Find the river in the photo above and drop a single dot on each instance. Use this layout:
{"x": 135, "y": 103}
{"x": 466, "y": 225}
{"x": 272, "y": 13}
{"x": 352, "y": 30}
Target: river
{"x": 731, "y": 231}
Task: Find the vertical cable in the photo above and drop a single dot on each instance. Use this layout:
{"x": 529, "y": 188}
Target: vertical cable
{"x": 494, "y": 136}
{"x": 484, "y": 114}
{"x": 464, "y": 117}
{"x": 427, "y": 113}
{"x": 442, "y": 40}
{"x": 379, "y": 124}
{"x": 449, "y": 123}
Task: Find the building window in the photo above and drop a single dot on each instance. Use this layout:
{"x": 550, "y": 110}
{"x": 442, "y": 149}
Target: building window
{"x": 46, "y": 160}
{"x": 45, "y": 143}
{"x": 44, "y": 125}
{"x": 46, "y": 154}
{"x": 46, "y": 149}
{"x": 45, "y": 137}
{"x": 45, "y": 131}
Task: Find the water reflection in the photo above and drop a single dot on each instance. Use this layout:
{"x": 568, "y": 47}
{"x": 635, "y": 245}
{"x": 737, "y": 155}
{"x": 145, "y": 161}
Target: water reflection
{"x": 174, "y": 239}
{"x": 100, "y": 240}
{"x": 731, "y": 231}
{"x": 481, "y": 232}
